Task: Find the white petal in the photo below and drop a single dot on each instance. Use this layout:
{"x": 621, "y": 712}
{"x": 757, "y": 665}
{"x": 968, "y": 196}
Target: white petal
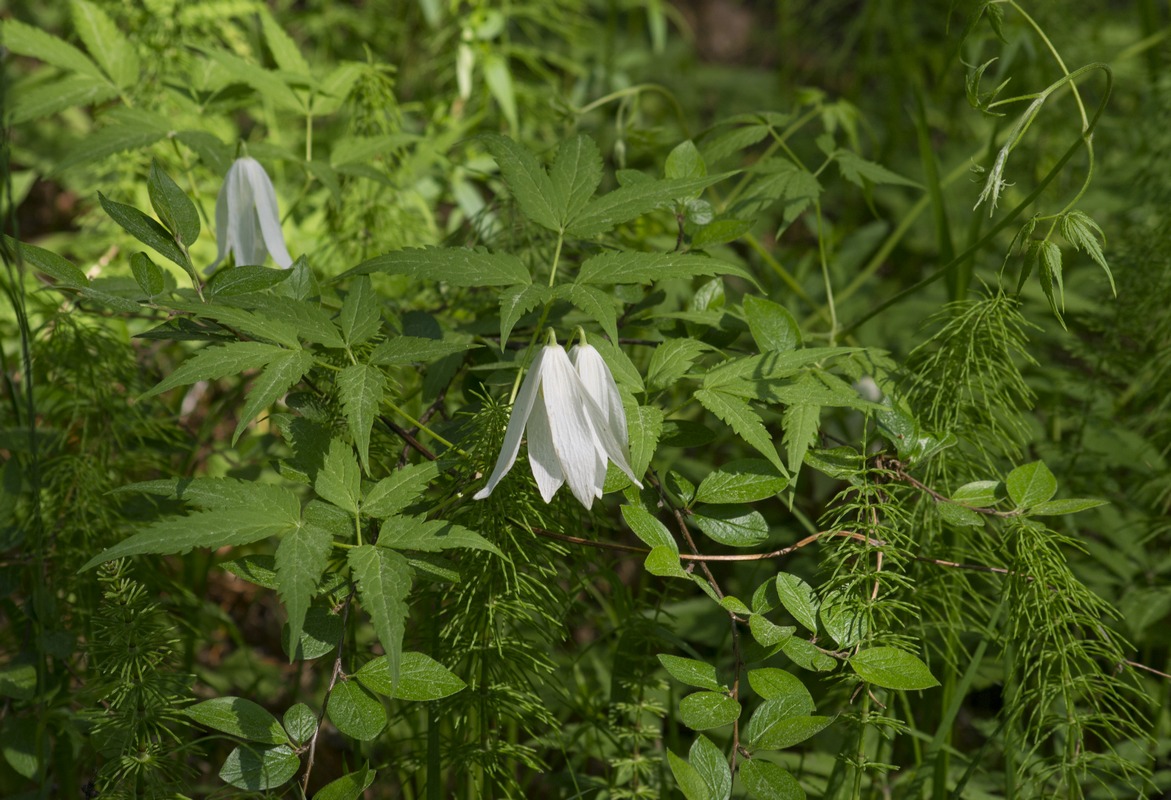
{"x": 521, "y": 409}
{"x": 606, "y": 442}
{"x": 241, "y": 216}
{"x": 268, "y": 215}
{"x": 222, "y": 226}
{"x": 574, "y": 439}
{"x": 600, "y": 385}
{"x": 542, "y": 456}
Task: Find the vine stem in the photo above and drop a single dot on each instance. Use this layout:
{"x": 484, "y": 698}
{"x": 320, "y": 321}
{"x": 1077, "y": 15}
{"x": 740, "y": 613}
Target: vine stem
{"x": 333, "y": 678}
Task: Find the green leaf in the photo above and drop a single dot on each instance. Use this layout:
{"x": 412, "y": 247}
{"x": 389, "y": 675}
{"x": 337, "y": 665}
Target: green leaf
{"x": 575, "y": 176}
{"x": 398, "y": 490}
{"x": 257, "y": 768}
{"x": 688, "y": 779}
{"x": 515, "y": 302}
{"x": 359, "y": 319}
{"x": 596, "y": 304}
{"x": 264, "y": 325}
{"x": 257, "y": 569}
{"x": 645, "y": 425}
{"x": 892, "y": 668}
{"x": 652, "y": 532}
{"x": 712, "y": 765}
{"x": 284, "y": 50}
{"x": 767, "y": 781}
{"x": 458, "y": 266}
{"x": 209, "y": 530}
{"x": 858, "y": 171}
{"x": 384, "y": 580}
{"x": 216, "y": 362}
{"x": 806, "y": 655}
{"x": 978, "y": 494}
{"x": 355, "y": 712}
{"x": 301, "y": 558}
{"x": 735, "y": 526}
{"x": 798, "y": 599}
{"x": 45, "y": 99}
{"x": 319, "y": 635}
{"x": 685, "y": 162}
{"x": 361, "y": 387}
{"x": 248, "y": 279}
{"x": 720, "y": 231}
{"x": 48, "y": 262}
{"x": 28, "y": 40}
{"x": 147, "y": 275}
{"x": 275, "y": 380}
{"x": 671, "y": 360}
{"x": 771, "y": 324}
{"x": 704, "y": 710}
{"x": 1083, "y": 233}
{"x": 420, "y": 678}
{"x": 300, "y": 723}
{"x": 530, "y": 185}
{"x": 632, "y": 201}
{"x": 768, "y": 633}
{"x": 269, "y": 85}
{"x": 21, "y": 745}
{"x": 742, "y": 481}
{"x": 743, "y": 420}
{"x": 663, "y": 561}
{"x": 134, "y": 130}
{"x": 146, "y": 230}
{"x": 499, "y": 80}
{"x": 843, "y": 618}
{"x": 692, "y": 672}
{"x": 18, "y": 680}
{"x": 1031, "y": 484}
{"x": 773, "y": 684}
{"x": 958, "y": 516}
{"x": 117, "y": 56}
{"x": 172, "y": 205}
{"x": 430, "y": 536}
{"x": 347, "y": 787}
{"x": 772, "y": 728}
{"x": 1069, "y": 506}
{"x": 339, "y": 480}
{"x": 414, "y": 350}
{"x": 633, "y": 267}
{"x": 238, "y": 717}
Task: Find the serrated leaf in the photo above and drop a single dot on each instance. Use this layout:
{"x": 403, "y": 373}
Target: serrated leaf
{"x": 801, "y": 422}
{"x": 767, "y": 781}
{"x": 361, "y": 387}
{"x": 339, "y": 480}
{"x": 688, "y": 779}
{"x": 1068, "y": 506}
{"x": 712, "y": 765}
{"x": 671, "y": 360}
{"x": 702, "y": 711}
{"x": 652, "y": 532}
{"x": 576, "y": 173}
{"x": 208, "y": 530}
{"x": 172, "y": 205}
{"x": 692, "y": 673}
{"x": 634, "y": 267}
{"x": 892, "y": 668}
{"x": 238, "y": 717}
{"x": 1030, "y": 484}
{"x": 359, "y": 318}
{"x": 257, "y": 325}
{"x": 268, "y": 84}
{"x": 742, "y": 481}
{"x": 384, "y": 580}
{"x": 300, "y": 723}
{"x": 45, "y": 99}
{"x": 415, "y": 349}
{"x": 430, "y": 536}
{"x": 284, "y": 50}
{"x": 772, "y": 326}
{"x": 1083, "y": 233}
{"x": 740, "y": 417}
{"x": 515, "y": 302}
{"x": 530, "y": 185}
{"x": 258, "y": 768}
{"x": 645, "y": 425}
{"x": 420, "y": 678}
{"x": 219, "y": 494}
{"x": 355, "y": 712}
{"x": 623, "y": 369}
{"x": 734, "y": 526}
{"x": 798, "y": 599}
{"x": 28, "y": 40}
{"x": 398, "y": 490}
{"x": 631, "y": 201}
{"x": 277, "y": 377}
{"x": 145, "y": 230}
{"x": 347, "y": 787}
{"x": 858, "y": 171}
{"x": 139, "y": 130}
{"x": 597, "y": 304}
{"x": 458, "y": 266}
{"x": 117, "y": 55}
{"x": 300, "y": 560}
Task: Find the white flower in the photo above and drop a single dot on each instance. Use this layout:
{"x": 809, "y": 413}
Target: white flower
{"x": 571, "y": 435}
{"x": 246, "y": 217}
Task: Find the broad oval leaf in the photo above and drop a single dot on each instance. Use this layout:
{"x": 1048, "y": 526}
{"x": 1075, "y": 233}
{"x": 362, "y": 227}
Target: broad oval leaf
{"x": 771, "y": 324}
{"x": 892, "y": 668}
{"x": 806, "y": 655}
{"x": 978, "y": 494}
{"x": 768, "y": 633}
{"x": 420, "y": 678}
{"x": 772, "y": 683}
{"x": 320, "y": 632}
{"x": 347, "y": 787}
{"x": 743, "y": 481}
{"x": 258, "y": 768}
{"x": 772, "y": 728}
{"x": 692, "y": 672}
{"x": 688, "y": 779}
{"x": 712, "y": 765}
{"x": 798, "y": 599}
{"x": 735, "y": 526}
{"x": 1070, "y": 505}
{"x": 300, "y": 723}
{"x": 650, "y": 530}
{"x": 767, "y": 781}
{"x": 355, "y": 711}
{"x": 843, "y": 619}
{"x": 704, "y": 710}
{"x": 239, "y": 717}
{"x": 1031, "y": 484}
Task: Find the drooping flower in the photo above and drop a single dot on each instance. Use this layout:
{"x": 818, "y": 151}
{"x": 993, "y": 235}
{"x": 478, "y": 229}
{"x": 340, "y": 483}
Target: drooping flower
{"x": 570, "y": 436}
{"x": 246, "y": 216}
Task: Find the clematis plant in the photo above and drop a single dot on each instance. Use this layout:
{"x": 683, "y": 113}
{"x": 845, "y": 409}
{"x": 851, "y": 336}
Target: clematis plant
{"x": 247, "y": 220}
{"x": 572, "y": 412}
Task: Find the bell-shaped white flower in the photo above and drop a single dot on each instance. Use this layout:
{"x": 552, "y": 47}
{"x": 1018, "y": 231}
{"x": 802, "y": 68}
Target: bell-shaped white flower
{"x": 570, "y": 437}
{"x": 246, "y": 217}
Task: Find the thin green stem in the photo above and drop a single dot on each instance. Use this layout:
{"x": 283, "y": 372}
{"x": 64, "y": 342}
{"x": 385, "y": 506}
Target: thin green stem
{"x": 540, "y": 322}
{"x": 421, "y": 426}
{"x": 829, "y": 289}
